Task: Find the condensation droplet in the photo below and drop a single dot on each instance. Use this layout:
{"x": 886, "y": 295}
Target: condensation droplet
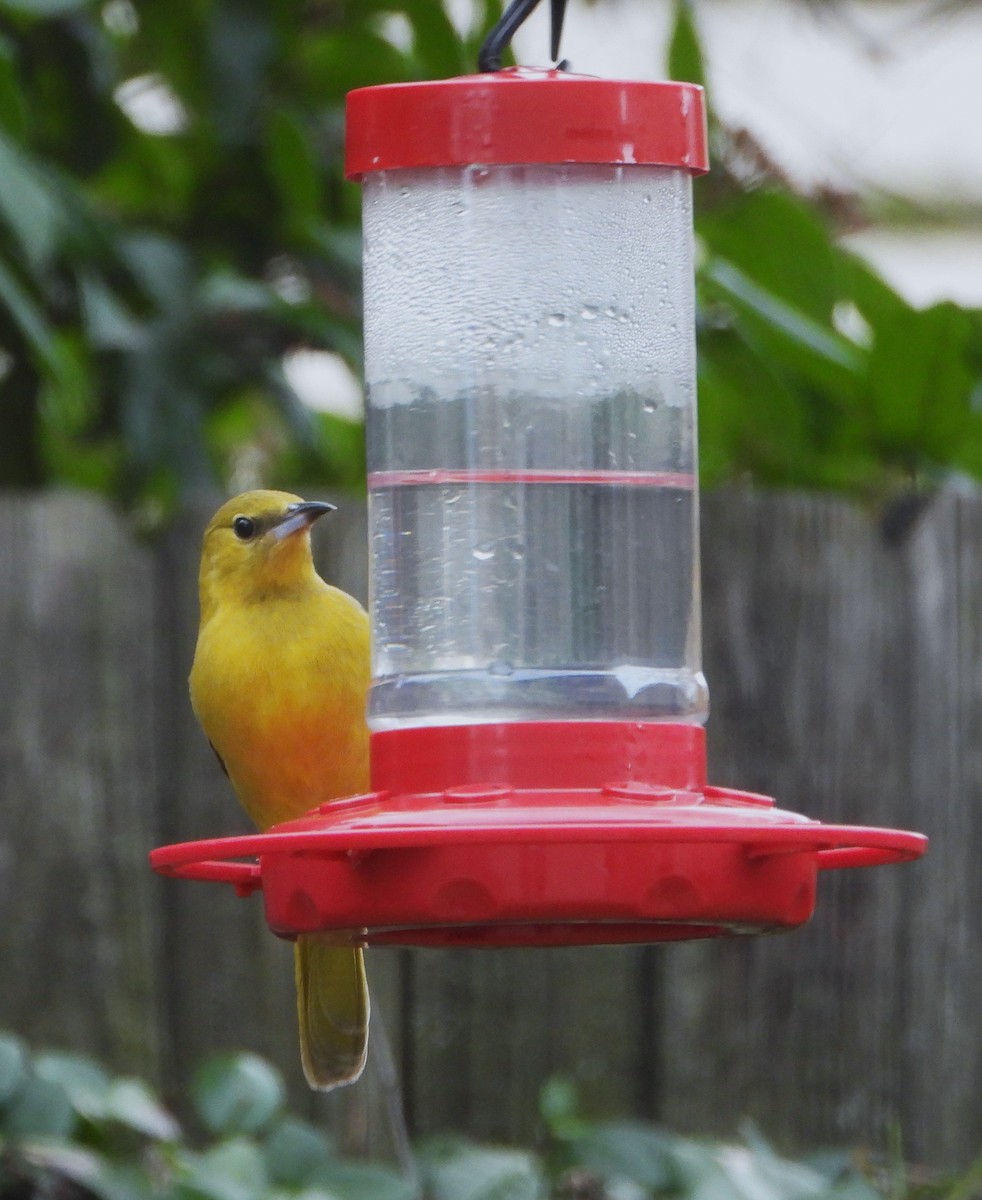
{"x": 556, "y": 320}
{"x": 484, "y": 552}
{"x": 588, "y": 312}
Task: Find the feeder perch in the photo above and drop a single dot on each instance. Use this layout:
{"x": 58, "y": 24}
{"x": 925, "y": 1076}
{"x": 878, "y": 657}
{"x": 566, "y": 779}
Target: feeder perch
{"x": 537, "y": 706}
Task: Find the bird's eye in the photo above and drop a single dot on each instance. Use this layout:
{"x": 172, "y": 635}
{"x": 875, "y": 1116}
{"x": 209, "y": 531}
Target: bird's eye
{"x": 244, "y": 528}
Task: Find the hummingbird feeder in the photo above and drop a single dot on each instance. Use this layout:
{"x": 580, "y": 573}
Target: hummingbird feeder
{"x": 537, "y": 706}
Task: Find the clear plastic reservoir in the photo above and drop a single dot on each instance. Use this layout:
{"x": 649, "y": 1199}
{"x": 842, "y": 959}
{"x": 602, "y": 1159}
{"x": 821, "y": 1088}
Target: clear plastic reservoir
{"x": 530, "y": 363}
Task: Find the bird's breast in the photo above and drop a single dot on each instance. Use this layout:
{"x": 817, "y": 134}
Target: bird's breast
{"x": 281, "y": 695}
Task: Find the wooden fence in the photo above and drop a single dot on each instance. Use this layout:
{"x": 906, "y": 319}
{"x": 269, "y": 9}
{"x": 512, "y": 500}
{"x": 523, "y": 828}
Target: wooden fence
{"x": 846, "y": 681}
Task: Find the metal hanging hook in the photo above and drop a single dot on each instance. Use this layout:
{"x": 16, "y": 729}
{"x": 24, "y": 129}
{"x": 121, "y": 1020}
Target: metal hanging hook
{"x": 499, "y": 39}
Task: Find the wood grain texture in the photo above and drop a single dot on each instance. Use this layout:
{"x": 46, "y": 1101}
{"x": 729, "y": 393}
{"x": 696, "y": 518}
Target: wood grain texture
{"x": 487, "y": 1028}
{"x": 846, "y": 680}
{"x": 836, "y": 672}
{"x": 78, "y": 704}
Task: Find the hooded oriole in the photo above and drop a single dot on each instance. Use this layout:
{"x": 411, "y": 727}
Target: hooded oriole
{"x": 279, "y": 683}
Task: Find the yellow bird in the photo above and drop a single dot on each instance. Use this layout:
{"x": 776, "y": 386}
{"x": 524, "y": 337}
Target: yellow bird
{"x": 279, "y": 685}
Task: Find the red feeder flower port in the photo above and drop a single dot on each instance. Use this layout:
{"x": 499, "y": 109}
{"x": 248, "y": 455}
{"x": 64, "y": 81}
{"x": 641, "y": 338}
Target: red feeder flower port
{"x": 537, "y": 708}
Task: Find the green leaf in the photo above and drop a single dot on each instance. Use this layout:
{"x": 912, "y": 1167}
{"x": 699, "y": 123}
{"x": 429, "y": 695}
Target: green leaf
{"x": 685, "y": 59}
{"x": 436, "y": 45}
{"x": 363, "y": 1181}
{"x": 124, "y": 1181}
{"x": 458, "y": 1169}
{"x": 163, "y": 268}
{"x": 84, "y": 1081}
{"x": 39, "y": 1109}
{"x": 241, "y": 44}
{"x": 919, "y": 380}
{"x": 819, "y": 354}
{"x": 750, "y": 417}
{"x": 13, "y": 108}
{"x": 782, "y": 246}
{"x": 559, "y": 1108}
{"x": 132, "y": 1103}
{"x": 29, "y": 317}
{"x": 296, "y": 1152}
{"x": 629, "y": 1150}
{"x": 291, "y": 166}
{"x": 108, "y": 322}
{"x": 334, "y": 63}
{"x": 13, "y": 1066}
{"x": 29, "y": 204}
{"x": 237, "y": 1093}
{"x": 225, "y": 291}
{"x": 233, "y": 1170}
{"x": 875, "y": 299}
{"x": 71, "y": 1161}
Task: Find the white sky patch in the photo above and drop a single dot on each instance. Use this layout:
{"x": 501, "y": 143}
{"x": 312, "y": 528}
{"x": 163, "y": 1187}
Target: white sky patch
{"x": 152, "y": 105}
{"x": 851, "y": 323}
{"x": 463, "y": 14}
{"x": 325, "y": 382}
{"x": 395, "y": 28}
{"x": 928, "y": 265}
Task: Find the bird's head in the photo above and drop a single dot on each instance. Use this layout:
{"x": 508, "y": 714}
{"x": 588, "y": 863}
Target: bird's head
{"x": 258, "y": 545}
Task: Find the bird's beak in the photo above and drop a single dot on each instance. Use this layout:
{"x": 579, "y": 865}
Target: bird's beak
{"x": 299, "y": 516}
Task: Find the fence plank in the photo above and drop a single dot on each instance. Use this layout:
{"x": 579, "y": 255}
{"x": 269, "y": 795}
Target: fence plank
{"x": 487, "y": 1028}
{"x": 835, "y": 670}
{"x": 77, "y": 719}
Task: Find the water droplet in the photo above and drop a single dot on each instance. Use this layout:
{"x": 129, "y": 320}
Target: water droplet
{"x": 556, "y": 320}
{"x": 484, "y": 552}
{"x": 588, "y": 312}
{"x": 650, "y": 406}
{"x": 500, "y": 668}
{"x": 610, "y": 311}
{"x": 645, "y": 199}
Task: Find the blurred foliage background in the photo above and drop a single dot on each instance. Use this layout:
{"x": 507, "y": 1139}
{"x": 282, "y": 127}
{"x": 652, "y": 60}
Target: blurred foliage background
{"x": 175, "y": 228}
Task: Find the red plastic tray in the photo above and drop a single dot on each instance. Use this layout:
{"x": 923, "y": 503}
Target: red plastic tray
{"x": 489, "y": 865}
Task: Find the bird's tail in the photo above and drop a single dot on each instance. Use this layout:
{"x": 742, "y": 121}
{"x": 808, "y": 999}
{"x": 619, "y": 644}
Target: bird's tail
{"x": 332, "y": 1004}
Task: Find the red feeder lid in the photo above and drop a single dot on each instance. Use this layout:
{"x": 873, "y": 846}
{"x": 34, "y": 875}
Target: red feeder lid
{"x": 521, "y": 115}
{"x": 611, "y": 835}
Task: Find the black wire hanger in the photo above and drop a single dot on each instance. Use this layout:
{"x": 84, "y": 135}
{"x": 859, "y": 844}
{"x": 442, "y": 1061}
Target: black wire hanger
{"x": 499, "y": 39}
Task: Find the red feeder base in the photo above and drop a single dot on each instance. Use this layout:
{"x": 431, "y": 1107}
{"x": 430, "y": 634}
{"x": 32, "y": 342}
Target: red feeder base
{"x": 571, "y": 833}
